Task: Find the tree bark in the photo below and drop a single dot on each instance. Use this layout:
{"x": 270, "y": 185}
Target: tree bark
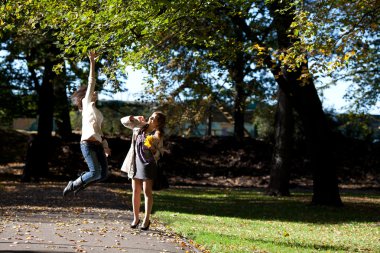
{"x": 61, "y": 106}
{"x": 209, "y": 121}
{"x": 236, "y": 71}
{"x": 45, "y": 118}
{"x": 239, "y": 111}
{"x": 284, "y": 126}
{"x": 319, "y": 138}
{"x": 304, "y": 98}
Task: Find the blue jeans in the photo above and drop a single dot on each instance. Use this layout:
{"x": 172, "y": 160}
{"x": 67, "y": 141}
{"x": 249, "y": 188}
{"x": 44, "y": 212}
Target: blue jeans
{"x": 96, "y": 160}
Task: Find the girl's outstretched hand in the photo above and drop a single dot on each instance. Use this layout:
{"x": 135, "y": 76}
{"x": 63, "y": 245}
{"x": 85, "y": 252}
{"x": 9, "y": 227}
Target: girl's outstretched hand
{"x": 138, "y": 118}
{"x": 141, "y": 118}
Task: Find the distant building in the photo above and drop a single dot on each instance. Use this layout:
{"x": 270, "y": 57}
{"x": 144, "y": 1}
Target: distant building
{"x": 28, "y": 124}
{"x": 222, "y": 123}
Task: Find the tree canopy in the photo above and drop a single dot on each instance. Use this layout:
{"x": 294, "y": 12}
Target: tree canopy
{"x": 210, "y": 52}
{"x": 337, "y": 37}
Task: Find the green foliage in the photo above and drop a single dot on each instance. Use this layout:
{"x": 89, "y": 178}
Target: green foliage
{"x": 183, "y": 43}
{"x": 113, "y": 111}
{"x": 75, "y": 120}
{"x": 358, "y": 126}
{"x": 263, "y": 119}
{"x": 340, "y": 39}
{"x": 145, "y": 33}
{"x": 15, "y": 103}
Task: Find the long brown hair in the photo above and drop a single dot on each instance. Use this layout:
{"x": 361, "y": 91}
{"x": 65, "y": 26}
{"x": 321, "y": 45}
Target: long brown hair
{"x": 161, "y": 120}
{"x": 78, "y": 95}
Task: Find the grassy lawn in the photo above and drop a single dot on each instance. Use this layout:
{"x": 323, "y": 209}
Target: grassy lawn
{"x": 245, "y": 220}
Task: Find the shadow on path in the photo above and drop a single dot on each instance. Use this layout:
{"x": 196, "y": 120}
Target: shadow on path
{"x": 49, "y": 194}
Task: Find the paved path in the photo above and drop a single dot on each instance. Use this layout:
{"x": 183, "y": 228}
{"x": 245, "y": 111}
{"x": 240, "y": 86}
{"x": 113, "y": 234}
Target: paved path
{"x": 35, "y": 218}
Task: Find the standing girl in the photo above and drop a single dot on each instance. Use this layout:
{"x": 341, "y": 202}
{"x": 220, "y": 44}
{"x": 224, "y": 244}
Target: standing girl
{"x": 147, "y": 139}
{"x": 93, "y": 145}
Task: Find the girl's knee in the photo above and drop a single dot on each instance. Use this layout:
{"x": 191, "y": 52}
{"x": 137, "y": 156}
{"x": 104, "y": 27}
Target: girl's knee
{"x": 148, "y": 193}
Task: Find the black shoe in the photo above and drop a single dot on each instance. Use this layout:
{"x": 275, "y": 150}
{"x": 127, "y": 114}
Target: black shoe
{"x": 145, "y": 228}
{"x": 81, "y": 188}
{"x": 135, "y": 226}
{"x": 69, "y": 188}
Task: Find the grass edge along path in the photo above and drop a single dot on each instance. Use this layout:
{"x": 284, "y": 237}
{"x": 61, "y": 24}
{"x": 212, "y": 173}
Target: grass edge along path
{"x": 245, "y": 220}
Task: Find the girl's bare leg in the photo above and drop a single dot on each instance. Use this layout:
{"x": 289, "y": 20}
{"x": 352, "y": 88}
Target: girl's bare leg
{"x": 136, "y": 199}
{"x": 148, "y": 195}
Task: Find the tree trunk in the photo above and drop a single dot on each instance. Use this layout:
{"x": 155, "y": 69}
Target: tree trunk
{"x": 237, "y": 74}
{"x": 45, "y": 118}
{"x": 307, "y": 104}
{"x": 209, "y": 121}
{"x": 305, "y": 101}
{"x": 319, "y": 138}
{"x": 239, "y": 111}
{"x": 61, "y": 106}
{"x": 284, "y": 126}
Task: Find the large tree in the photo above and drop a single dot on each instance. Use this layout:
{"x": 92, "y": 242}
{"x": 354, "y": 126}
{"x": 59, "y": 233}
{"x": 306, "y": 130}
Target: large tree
{"x": 145, "y": 33}
{"x": 238, "y": 36}
{"x": 226, "y": 33}
{"x": 32, "y": 65}
{"x": 341, "y": 40}
{"x": 321, "y": 38}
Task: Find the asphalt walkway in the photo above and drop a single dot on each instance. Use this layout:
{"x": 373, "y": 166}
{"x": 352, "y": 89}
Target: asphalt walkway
{"x": 35, "y": 218}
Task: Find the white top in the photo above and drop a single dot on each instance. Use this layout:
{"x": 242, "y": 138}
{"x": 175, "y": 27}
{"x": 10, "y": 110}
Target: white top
{"x": 92, "y": 118}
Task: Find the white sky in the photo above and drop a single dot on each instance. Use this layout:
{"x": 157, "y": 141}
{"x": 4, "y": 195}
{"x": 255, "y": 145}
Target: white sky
{"x": 333, "y": 96}
{"x": 133, "y": 84}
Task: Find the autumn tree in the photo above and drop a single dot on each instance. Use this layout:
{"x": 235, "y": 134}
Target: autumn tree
{"x": 142, "y": 33}
{"x": 245, "y": 39}
{"x": 340, "y": 40}
{"x": 35, "y": 69}
{"x": 325, "y": 35}
{"x": 226, "y": 33}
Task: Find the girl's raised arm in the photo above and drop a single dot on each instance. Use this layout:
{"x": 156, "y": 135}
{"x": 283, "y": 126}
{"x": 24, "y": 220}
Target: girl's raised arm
{"x": 133, "y": 121}
{"x": 91, "y": 78}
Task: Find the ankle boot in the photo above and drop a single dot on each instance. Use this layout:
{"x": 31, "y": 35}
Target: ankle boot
{"x": 80, "y": 188}
{"x": 73, "y": 186}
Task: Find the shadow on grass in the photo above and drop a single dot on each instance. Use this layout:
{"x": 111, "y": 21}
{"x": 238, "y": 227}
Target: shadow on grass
{"x": 242, "y": 203}
{"x": 253, "y": 204}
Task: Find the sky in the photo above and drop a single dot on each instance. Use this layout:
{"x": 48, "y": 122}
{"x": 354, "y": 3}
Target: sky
{"x": 332, "y": 97}
{"x": 133, "y": 84}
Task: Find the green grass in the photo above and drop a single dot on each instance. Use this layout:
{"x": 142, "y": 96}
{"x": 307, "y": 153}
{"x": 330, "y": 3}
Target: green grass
{"x": 236, "y": 220}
